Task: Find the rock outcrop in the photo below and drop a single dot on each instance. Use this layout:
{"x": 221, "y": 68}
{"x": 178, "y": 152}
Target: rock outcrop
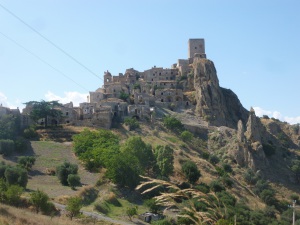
{"x": 219, "y": 106}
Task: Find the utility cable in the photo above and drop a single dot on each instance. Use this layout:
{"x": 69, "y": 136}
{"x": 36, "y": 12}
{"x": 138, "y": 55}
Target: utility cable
{"x": 42, "y": 60}
{"x": 49, "y": 41}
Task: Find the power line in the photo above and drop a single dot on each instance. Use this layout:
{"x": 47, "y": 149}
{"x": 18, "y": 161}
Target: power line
{"x": 49, "y": 41}
{"x": 42, "y": 60}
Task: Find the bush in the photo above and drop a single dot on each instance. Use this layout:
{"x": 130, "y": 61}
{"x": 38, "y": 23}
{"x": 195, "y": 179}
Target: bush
{"x": 214, "y": 159}
{"x": 172, "y": 123}
{"x": 13, "y": 194}
{"x": 73, "y": 180}
{"x": 7, "y": 147}
{"x": 216, "y": 186}
{"x": 26, "y": 162}
{"x": 186, "y": 136}
{"x": 152, "y": 205}
{"x": 64, "y": 170}
{"x": 203, "y": 188}
{"x": 16, "y": 176}
{"x": 227, "y": 168}
{"x": 39, "y": 200}
{"x": 191, "y": 171}
{"x": 30, "y": 133}
{"x": 250, "y": 177}
{"x": 20, "y": 144}
{"x": 123, "y": 96}
{"x": 102, "y": 207}
{"x": 132, "y": 123}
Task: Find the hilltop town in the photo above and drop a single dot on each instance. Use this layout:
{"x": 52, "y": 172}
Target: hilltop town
{"x": 132, "y": 94}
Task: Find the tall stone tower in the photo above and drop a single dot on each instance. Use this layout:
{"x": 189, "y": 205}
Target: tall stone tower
{"x": 197, "y": 46}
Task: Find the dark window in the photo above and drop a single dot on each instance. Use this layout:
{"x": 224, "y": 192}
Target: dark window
{"x": 162, "y": 93}
{"x": 67, "y": 113}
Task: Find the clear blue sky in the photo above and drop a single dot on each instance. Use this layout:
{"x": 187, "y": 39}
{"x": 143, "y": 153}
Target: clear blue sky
{"x": 255, "y": 46}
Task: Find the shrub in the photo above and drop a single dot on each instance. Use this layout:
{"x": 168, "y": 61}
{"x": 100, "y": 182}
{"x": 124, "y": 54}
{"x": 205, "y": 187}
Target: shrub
{"x": 7, "y": 147}
{"x": 172, "y": 123}
{"x": 123, "y": 96}
{"x": 16, "y": 176}
{"x": 112, "y": 199}
{"x": 152, "y": 205}
{"x": 186, "y": 136}
{"x": 26, "y": 162}
{"x": 64, "y": 170}
{"x": 13, "y": 194}
{"x": 39, "y": 200}
{"x": 191, "y": 171}
{"x": 216, "y": 186}
{"x": 73, "y": 180}
{"x": 102, "y": 207}
{"x": 30, "y": 133}
{"x": 214, "y": 159}
{"x": 132, "y": 123}
{"x": 250, "y": 177}
{"x": 20, "y": 144}
{"x": 88, "y": 194}
{"x": 227, "y": 168}
{"x": 205, "y": 155}
{"x": 227, "y": 181}
{"x": 203, "y": 188}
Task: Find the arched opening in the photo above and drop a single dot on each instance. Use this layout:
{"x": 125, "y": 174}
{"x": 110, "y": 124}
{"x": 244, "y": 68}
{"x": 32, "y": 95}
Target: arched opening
{"x": 162, "y": 100}
{"x": 187, "y": 103}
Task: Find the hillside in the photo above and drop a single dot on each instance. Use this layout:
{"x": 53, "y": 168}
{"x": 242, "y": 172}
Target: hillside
{"x": 218, "y": 141}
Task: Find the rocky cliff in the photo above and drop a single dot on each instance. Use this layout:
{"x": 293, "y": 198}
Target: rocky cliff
{"x": 219, "y": 106}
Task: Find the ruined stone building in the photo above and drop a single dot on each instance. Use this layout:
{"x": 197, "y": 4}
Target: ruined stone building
{"x": 134, "y": 93}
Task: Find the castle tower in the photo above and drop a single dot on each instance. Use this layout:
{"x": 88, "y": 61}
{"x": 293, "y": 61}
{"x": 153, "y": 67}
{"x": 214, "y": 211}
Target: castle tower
{"x": 197, "y": 46}
{"x": 107, "y": 77}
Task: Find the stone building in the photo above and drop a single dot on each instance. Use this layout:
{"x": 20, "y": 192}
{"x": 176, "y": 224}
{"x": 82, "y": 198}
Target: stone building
{"x": 133, "y": 93}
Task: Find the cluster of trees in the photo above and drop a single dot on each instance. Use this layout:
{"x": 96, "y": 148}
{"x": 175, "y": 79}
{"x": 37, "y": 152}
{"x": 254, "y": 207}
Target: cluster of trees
{"x": 13, "y": 181}
{"x": 124, "y": 162}
{"x": 67, "y": 174}
{"x": 10, "y": 140}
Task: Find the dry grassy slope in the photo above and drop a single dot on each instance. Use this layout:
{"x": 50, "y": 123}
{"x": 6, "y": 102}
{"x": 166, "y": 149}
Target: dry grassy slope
{"x": 17, "y": 216}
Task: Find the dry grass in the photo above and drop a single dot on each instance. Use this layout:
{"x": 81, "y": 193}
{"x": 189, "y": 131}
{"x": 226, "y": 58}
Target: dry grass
{"x": 15, "y": 216}
{"x": 49, "y": 156}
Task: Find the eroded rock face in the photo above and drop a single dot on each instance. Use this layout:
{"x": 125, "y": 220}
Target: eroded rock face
{"x": 253, "y": 132}
{"x": 220, "y": 106}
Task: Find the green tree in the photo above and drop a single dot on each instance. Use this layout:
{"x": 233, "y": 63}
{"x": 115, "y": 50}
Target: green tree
{"x": 131, "y": 211}
{"x": 63, "y": 171}
{"x": 136, "y": 147}
{"x": 164, "y": 159}
{"x": 73, "y": 180}
{"x": 9, "y": 126}
{"x": 39, "y": 200}
{"x": 43, "y": 110}
{"x": 191, "y": 171}
{"x": 124, "y": 170}
{"x": 7, "y": 147}
{"x": 96, "y": 148}
{"x": 73, "y": 206}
